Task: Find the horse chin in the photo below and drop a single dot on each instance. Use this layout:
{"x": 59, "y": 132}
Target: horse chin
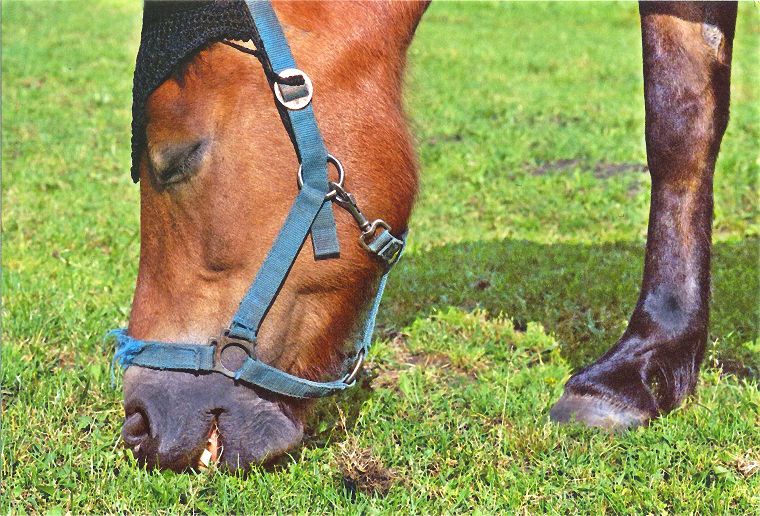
{"x": 259, "y": 437}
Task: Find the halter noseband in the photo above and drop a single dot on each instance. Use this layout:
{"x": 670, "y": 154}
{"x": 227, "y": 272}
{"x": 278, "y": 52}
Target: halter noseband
{"x": 311, "y": 213}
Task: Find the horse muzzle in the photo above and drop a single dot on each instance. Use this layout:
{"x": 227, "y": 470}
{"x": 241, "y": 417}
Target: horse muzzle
{"x": 179, "y": 420}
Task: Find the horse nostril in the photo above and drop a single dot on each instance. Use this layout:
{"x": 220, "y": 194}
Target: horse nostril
{"x": 136, "y": 428}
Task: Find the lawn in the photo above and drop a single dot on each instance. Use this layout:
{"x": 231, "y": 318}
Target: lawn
{"x": 525, "y": 260}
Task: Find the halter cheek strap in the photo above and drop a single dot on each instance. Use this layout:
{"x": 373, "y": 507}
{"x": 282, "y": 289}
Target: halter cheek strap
{"x": 311, "y": 212}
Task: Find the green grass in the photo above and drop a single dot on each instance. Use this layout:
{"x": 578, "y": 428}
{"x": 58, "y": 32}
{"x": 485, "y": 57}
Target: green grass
{"x": 525, "y": 261}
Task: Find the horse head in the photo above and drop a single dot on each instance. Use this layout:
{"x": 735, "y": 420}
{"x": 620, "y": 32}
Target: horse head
{"x": 217, "y": 178}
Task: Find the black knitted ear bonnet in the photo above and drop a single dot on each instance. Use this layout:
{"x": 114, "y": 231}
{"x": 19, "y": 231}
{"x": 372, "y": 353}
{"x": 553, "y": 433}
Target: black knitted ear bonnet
{"x": 171, "y": 32}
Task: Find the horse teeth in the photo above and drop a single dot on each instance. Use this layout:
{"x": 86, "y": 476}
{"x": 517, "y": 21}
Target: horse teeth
{"x": 212, "y": 452}
{"x": 205, "y": 459}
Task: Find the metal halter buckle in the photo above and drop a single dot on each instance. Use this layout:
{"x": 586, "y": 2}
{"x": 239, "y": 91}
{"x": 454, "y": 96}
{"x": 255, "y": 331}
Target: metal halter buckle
{"x": 294, "y": 98}
{"x": 223, "y": 342}
{"x": 336, "y": 187}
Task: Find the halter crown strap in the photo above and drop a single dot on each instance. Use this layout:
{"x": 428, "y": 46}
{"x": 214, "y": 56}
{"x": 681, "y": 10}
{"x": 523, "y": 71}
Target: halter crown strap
{"x": 311, "y": 212}
{"x": 276, "y": 56}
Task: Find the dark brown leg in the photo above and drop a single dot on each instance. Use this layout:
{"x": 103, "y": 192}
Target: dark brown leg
{"x": 687, "y": 59}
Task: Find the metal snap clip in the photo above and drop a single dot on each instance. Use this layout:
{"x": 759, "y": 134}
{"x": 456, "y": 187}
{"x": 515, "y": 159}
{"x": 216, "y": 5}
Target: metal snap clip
{"x": 368, "y": 235}
{"x": 341, "y": 176}
{"x": 294, "y": 98}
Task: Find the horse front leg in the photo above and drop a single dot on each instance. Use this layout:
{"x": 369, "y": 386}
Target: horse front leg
{"x": 687, "y": 58}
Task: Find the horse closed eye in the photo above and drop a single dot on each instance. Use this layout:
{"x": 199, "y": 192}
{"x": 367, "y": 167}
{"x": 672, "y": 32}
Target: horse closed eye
{"x": 177, "y": 161}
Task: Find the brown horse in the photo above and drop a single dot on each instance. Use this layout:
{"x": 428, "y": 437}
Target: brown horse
{"x": 215, "y": 178}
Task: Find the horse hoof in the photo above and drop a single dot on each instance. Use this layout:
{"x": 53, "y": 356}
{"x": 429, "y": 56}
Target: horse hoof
{"x": 596, "y": 412}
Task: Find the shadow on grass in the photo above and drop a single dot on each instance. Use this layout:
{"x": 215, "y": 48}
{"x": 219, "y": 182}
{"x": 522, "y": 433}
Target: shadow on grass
{"x": 583, "y": 294}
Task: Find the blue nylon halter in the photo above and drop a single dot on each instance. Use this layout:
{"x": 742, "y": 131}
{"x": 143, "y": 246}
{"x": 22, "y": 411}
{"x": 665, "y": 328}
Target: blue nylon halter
{"x": 311, "y": 212}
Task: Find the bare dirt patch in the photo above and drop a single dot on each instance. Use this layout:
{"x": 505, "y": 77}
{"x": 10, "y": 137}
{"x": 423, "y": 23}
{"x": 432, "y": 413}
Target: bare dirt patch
{"x": 553, "y": 166}
{"x": 736, "y": 368}
{"x": 436, "y": 359}
{"x": 605, "y": 170}
{"x": 748, "y": 464}
{"x": 600, "y": 170}
{"x": 361, "y": 470}
{"x": 386, "y": 375}
{"x": 482, "y": 284}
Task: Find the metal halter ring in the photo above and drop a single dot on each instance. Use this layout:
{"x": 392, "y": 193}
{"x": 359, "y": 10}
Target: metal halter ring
{"x": 298, "y": 102}
{"x": 351, "y": 377}
{"x": 223, "y": 342}
{"x": 341, "y": 176}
